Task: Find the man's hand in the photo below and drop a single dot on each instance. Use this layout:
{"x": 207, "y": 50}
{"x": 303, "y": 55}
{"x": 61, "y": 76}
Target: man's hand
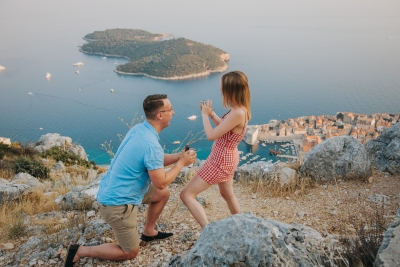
{"x": 187, "y": 157}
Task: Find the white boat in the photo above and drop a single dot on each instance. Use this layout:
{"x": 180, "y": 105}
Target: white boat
{"x": 243, "y": 158}
{"x": 2, "y": 67}
{"x": 176, "y": 142}
{"x": 30, "y": 93}
{"x": 41, "y": 128}
{"x": 264, "y": 145}
{"x": 78, "y": 64}
{"x": 77, "y": 72}
{"x": 48, "y": 75}
{"x": 104, "y": 58}
{"x": 112, "y": 90}
{"x": 193, "y": 117}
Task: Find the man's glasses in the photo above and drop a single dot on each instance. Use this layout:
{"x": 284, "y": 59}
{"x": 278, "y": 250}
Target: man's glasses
{"x": 171, "y": 109}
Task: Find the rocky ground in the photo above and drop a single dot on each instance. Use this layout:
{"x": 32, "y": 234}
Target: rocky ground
{"x": 335, "y": 208}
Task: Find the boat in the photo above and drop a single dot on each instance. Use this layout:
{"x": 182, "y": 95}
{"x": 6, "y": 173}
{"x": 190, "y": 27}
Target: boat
{"x": 30, "y": 93}
{"x": 275, "y": 152}
{"x": 78, "y": 64}
{"x": 2, "y": 67}
{"x": 176, "y": 142}
{"x": 41, "y": 128}
{"x": 264, "y": 145}
{"x": 112, "y": 90}
{"x": 193, "y": 117}
{"x": 77, "y": 72}
{"x": 48, "y": 75}
{"x": 104, "y": 58}
{"x": 243, "y": 158}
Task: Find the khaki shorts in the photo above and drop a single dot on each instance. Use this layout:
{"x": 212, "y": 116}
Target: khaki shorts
{"x": 123, "y": 221}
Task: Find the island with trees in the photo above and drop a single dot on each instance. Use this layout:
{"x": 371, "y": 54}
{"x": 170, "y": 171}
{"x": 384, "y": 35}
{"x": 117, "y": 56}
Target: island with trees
{"x": 158, "y": 56}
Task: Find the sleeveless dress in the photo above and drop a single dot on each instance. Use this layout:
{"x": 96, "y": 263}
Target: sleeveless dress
{"x": 223, "y": 160}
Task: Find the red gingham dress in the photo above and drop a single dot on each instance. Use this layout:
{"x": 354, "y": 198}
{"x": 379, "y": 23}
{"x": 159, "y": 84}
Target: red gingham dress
{"x": 223, "y": 160}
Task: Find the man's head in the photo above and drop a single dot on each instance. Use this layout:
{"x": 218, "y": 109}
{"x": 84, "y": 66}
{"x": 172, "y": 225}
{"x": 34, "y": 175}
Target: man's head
{"x": 158, "y": 109}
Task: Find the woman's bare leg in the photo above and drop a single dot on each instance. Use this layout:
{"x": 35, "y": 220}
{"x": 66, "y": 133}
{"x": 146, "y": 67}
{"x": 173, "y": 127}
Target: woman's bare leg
{"x": 188, "y": 196}
{"x": 226, "y": 190}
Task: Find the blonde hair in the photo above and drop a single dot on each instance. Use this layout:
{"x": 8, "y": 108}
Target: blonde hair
{"x": 235, "y": 90}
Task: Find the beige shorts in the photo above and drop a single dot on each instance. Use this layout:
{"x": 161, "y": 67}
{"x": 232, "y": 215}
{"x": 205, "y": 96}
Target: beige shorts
{"x": 123, "y": 221}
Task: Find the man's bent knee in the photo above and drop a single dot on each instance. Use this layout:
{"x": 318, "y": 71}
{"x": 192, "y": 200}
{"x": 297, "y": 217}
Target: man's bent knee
{"x": 131, "y": 254}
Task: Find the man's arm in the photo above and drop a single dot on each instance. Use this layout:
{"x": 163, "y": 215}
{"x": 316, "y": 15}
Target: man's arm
{"x": 171, "y": 158}
{"x": 162, "y": 179}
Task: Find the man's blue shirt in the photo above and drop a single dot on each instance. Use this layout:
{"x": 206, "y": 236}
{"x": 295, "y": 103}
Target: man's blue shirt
{"x": 127, "y": 179}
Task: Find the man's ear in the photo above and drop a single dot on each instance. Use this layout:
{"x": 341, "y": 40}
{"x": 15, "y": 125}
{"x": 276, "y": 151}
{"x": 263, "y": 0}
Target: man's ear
{"x": 159, "y": 115}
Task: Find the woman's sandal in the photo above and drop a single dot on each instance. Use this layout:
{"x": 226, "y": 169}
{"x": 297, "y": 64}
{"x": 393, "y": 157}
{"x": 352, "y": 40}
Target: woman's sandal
{"x": 72, "y": 249}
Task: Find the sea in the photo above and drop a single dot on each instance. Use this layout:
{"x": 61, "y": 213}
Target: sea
{"x": 302, "y": 57}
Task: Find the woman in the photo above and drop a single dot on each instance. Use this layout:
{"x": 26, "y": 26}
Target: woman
{"x": 223, "y": 160}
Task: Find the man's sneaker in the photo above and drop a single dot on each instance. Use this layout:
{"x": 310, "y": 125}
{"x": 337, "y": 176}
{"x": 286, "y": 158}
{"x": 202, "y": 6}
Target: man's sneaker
{"x": 158, "y": 236}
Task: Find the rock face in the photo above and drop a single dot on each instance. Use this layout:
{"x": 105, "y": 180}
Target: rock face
{"x": 245, "y": 240}
{"x": 74, "y": 198}
{"x": 341, "y": 156}
{"x": 27, "y": 179}
{"x": 384, "y": 151}
{"x": 9, "y": 191}
{"x": 49, "y": 140}
{"x": 389, "y": 253}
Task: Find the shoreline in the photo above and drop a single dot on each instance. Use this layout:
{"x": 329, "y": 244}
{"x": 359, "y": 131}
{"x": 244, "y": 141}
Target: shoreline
{"x": 174, "y": 78}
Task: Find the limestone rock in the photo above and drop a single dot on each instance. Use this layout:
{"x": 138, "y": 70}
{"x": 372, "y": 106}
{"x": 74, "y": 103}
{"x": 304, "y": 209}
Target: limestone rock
{"x": 287, "y": 176}
{"x": 245, "y": 240}
{"x": 11, "y": 191}
{"x": 74, "y": 198}
{"x": 25, "y": 178}
{"x": 50, "y": 140}
{"x": 384, "y": 151}
{"x": 341, "y": 156}
{"x": 389, "y": 253}
{"x": 3, "y": 181}
{"x": 58, "y": 167}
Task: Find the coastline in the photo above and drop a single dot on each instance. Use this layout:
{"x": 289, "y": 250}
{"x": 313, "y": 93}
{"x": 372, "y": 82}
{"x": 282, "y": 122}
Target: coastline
{"x": 224, "y": 58}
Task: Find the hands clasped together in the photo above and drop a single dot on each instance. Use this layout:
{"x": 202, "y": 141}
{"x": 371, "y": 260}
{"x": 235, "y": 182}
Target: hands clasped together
{"x": 206, "y": 108}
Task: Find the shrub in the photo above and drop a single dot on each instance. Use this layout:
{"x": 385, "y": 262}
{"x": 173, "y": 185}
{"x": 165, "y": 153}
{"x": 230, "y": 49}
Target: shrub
{"x": 17, "y": 226}
{"x": 68, "y": 159}
{"x": 4, "y": 149}
{"x": 31, "y": 166}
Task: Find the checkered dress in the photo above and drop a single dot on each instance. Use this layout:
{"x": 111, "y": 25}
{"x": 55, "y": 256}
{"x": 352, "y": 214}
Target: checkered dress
{"x": 223, "y": 160}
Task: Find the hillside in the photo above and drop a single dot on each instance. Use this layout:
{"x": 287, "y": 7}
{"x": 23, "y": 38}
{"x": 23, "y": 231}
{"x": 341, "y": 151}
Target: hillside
{"x": 149, "y": 55}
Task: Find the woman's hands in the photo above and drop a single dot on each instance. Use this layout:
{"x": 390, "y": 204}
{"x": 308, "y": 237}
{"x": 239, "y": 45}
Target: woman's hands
{"x": 206, "y": 108}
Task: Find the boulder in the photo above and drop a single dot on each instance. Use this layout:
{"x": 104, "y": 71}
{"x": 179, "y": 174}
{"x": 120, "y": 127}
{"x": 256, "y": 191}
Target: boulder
{"x": 74, "y": 198}
{"x": 58, "y": 167}
{"x": 384, "y": 151}
{"x": 26, "y": 178}
{"x": 11, "y": 191}
{"x": 341, "y": 157}
{"x": 245, "y": 240}
{"x": 50, "y": 140}
{"x": 389, "y": 253}
{"x": 287, "y": 176}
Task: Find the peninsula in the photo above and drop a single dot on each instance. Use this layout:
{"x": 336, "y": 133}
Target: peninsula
{"x": 158, "y": 56}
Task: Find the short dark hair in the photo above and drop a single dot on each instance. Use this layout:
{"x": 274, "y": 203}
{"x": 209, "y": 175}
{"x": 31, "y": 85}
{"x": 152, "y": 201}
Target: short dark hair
{"x": 151, "y": 104}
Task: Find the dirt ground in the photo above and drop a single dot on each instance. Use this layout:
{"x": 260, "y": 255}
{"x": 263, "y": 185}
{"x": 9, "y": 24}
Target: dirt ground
{"x": 335, "y": 208}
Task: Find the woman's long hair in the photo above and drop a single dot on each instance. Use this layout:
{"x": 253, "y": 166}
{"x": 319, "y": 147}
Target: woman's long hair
{"x": 235, "y": 90}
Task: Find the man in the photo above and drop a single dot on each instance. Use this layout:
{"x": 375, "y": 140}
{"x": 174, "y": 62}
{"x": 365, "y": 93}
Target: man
{"x": 136, "y": 175}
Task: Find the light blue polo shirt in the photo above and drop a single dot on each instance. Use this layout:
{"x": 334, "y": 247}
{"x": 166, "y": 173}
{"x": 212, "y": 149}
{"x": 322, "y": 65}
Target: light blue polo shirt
{"x": 127, "y": 179}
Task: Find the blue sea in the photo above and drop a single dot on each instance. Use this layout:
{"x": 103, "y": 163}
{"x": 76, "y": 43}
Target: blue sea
{"x": 302, "y": 58}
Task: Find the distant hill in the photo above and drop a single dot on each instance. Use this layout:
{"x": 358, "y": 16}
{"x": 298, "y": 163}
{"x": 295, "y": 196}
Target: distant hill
{"x": 152, "y": 56}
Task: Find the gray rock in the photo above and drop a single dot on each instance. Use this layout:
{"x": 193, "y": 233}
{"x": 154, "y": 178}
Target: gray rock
{"x": 378, "y": 198}
{"x": 25, "y": 178}
{"x": 389, "y": 254}
{"x": 341, "y": 156}
{"x": 75, "y": 198}
{"x": 287, "y": 176}
{"x": 245, "y": 240}
{"x": 384, "y": 151}
{"x": 58, "y": 167}
{"x": 11, "y": 191}
{"x": 4, "y": 181}
{"x": 50, "y": 140}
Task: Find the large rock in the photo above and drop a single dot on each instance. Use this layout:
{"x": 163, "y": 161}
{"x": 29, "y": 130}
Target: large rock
{"x": 338, "y": 157}
{"x": 245, "y": 240}
{"x": 50, "y": 140}
{"x": 9, "y": 191}
{"x": 26, "y": 178}
{"x": 389, "y": 252}
{"x": 384, "y": 151}
{"x": 73, "y": 199}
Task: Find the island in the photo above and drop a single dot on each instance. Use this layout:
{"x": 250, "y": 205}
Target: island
{"x": 158, "y": 56}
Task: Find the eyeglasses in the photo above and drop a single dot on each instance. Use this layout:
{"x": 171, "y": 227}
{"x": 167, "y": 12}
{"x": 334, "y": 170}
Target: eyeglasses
{"x": 171, "y": 109}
